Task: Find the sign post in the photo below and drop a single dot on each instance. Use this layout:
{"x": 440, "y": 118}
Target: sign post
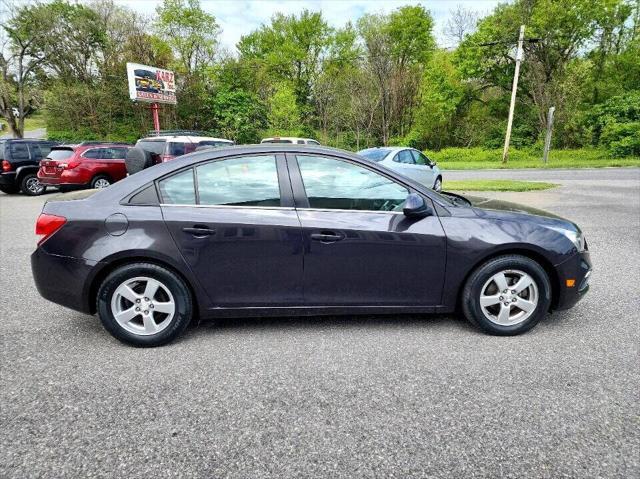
{"x": 151, "y": 85}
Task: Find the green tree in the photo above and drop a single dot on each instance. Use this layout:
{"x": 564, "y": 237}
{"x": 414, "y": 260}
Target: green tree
{"x": 283, "y": 117}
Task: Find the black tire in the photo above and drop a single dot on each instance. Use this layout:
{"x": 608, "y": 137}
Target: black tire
{"x": 176, "y": 286}
{"x": 26, "y": 185}
{"x": 437, "y": 185}
{"x": 472, "y": 291}
{"x": 99, "y": 180}
{"x": 9, "y": 189}
{"x": 137, "y": 160}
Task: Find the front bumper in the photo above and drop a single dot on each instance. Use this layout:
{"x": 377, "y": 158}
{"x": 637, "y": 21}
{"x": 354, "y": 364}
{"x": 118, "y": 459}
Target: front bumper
{"x": 577, "y": 268}
{"x": 63, "y": 280}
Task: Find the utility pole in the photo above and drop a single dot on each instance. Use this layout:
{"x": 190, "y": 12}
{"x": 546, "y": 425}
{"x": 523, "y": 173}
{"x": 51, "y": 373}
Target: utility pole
{"x": 547, "y": 140}
{"x": 519, "y": 55}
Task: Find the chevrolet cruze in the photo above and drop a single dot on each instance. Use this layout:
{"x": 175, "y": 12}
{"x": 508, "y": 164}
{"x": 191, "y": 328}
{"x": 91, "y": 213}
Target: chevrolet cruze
{"x": 296, "y": 230}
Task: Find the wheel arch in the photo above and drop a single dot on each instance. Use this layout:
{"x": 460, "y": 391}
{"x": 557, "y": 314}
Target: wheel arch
{"x": 520, "y": 251}
{"x": 101, "y": 173}
{"x": 99, "y": 277}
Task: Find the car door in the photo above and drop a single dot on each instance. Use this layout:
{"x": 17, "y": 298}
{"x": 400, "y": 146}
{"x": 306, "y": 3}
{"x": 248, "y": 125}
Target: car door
{"x": 360, "y": 249}
{"x": 234, "y": 222}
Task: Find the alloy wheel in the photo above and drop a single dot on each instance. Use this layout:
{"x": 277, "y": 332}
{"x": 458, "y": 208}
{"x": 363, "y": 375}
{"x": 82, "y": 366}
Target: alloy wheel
{"x": 34, "y": 186}
{"x": 101, "y": 183}
{"x": 509, "y": 297}
{"x": 143, "y": 306}
{"x": 438, "y": 185}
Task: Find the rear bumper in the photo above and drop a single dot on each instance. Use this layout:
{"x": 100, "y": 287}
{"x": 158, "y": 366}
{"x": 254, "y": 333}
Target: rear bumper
{"x": 8, "y": 178}
{"x": 62, "y": 280}
{"x": 577, "y": 268}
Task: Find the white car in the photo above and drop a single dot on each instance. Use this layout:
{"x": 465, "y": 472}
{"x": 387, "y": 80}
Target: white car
{"x": 290, "y": 139}
{"x": 173, "y": 143}
{"x": 408, "y": 162}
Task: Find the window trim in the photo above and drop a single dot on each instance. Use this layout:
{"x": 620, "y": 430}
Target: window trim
{"x": 284, "y": 183}
{"x": 300, "y": 194}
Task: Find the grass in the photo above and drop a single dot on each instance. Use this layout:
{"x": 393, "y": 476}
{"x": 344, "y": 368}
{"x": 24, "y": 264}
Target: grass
{"x": 496, "y": 185}
{"x": 34, "y": 122}
{"x": 480, "y": 158}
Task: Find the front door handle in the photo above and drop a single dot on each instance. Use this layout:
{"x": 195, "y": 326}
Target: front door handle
{"x": 199, "y": 231}
{"x": 327, "y": 237}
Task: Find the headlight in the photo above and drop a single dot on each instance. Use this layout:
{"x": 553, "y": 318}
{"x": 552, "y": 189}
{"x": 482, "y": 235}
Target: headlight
{"x": 577, "y": 238}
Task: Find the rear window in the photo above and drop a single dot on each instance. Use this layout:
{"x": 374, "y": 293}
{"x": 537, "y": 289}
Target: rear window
{"x": 62, "y": 154}
{"x": 153, "y": 146}
{"x": 2, "y": 143}
{"x": 276, "y": 141}
{"x": 375, "y": 154}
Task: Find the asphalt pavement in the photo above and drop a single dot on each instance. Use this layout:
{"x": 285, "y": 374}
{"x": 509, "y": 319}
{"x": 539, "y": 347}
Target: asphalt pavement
{"x": 411, "y": 396}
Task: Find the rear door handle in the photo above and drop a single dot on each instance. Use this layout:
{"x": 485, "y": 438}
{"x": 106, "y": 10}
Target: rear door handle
{"x": 327, "y": 237}
{"x": 199, "y": 231}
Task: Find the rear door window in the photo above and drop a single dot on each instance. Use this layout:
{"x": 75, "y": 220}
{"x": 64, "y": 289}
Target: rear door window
{"x": 94, "y": 153}
{"x": 39, "y": 150}
{"x": 178, "y": 189}
{"x": 19, "y": 151}
{"x": 245, "y": 181}
{"x": 405, "y": 157}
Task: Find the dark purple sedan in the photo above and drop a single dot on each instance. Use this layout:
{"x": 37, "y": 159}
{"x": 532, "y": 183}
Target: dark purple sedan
{"x": 290, "y": 230}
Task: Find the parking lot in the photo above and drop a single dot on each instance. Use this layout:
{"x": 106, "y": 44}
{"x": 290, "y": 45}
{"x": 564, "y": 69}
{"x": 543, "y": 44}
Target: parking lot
{"x": 335, "y": 397}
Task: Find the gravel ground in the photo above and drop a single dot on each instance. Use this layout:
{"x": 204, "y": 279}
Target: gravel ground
{"x": 335, "y": 397}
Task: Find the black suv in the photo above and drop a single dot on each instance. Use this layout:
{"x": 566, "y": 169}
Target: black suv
{"x": 19, "y": 163}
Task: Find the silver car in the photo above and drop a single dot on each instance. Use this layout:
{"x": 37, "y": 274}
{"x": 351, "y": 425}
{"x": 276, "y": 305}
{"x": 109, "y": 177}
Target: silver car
{"x": 408, "y": 162}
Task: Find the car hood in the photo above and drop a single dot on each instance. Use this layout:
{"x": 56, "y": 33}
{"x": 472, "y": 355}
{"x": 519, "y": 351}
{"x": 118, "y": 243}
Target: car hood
{"x": 499, "y": 209}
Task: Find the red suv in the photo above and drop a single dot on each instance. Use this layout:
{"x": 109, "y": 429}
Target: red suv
{"x": 82, "y": 166}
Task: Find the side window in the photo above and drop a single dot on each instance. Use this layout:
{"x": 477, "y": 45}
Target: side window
{"x": 337, "y": 184}
{"x": 178, "y": 189}
{"x": 420, "y": 158}
{"x": 176, "y": 148}
{"x": 19, "y": 151}
{"x": 39, "y": 150}
{"x": 300, "y": 142}
{"x": 93, "y": 153}
{"x": 245, "y": 181}
{"x": 404, "y": 156}
{"x": 118, "y": 153}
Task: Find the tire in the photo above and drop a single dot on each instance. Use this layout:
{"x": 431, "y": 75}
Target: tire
{"x": 30, "y": 186}
{"x": 485, "y": 281}
{"x": 9, "y": 189}
{"x": 138, "y": 160}
{"x": 437, "y": 185}
{"x": 100, "y": 181}
{"x": 150, "y": 326}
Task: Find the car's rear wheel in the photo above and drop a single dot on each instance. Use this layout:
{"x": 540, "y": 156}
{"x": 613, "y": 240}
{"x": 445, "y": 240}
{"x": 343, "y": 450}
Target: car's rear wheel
{"x": 144, "y": 304}
{"x": 9, "y": 189}
{"x": 507, "y": 295}
{"x": 31, "y": 186}
{"x": 100, "y": 181}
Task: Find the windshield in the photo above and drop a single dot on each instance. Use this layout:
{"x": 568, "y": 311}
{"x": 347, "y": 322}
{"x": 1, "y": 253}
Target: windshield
{"x": 60, "y": 154}
{"x": 375, "y": 154}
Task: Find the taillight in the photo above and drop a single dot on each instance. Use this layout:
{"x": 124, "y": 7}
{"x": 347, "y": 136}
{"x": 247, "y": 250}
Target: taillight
{"x": 72, "y": 164}
{"x": 6, "y": 166}
{"x": 46, "y": 225}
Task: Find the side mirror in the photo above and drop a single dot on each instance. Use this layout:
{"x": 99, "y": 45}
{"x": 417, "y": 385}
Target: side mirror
{"x": 415, "y": 207}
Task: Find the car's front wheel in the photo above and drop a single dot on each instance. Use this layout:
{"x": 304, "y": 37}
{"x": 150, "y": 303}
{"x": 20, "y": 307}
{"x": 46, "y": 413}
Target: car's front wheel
{"x": 437, "y": 185}
{"x": 144, "y": 304}
{"x": 31, "y": 186}
{"x": 507, "y": 295}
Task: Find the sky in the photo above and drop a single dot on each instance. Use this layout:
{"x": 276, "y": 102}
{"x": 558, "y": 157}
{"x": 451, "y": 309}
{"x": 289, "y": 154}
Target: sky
{"x": 239, "y": 17}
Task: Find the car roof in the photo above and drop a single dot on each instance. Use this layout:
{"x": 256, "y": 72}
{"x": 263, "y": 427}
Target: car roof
{"x": 292, "y": 138}
{"x": 388, "y": 148}
{"x": 185, "y": 138}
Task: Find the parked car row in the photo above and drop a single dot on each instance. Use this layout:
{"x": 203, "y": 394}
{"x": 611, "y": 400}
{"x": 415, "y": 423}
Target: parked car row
{"x": 31, "y": 166}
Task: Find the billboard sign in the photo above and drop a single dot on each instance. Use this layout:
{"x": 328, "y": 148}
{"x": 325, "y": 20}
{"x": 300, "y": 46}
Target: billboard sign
{"x": 151, "y": 84}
